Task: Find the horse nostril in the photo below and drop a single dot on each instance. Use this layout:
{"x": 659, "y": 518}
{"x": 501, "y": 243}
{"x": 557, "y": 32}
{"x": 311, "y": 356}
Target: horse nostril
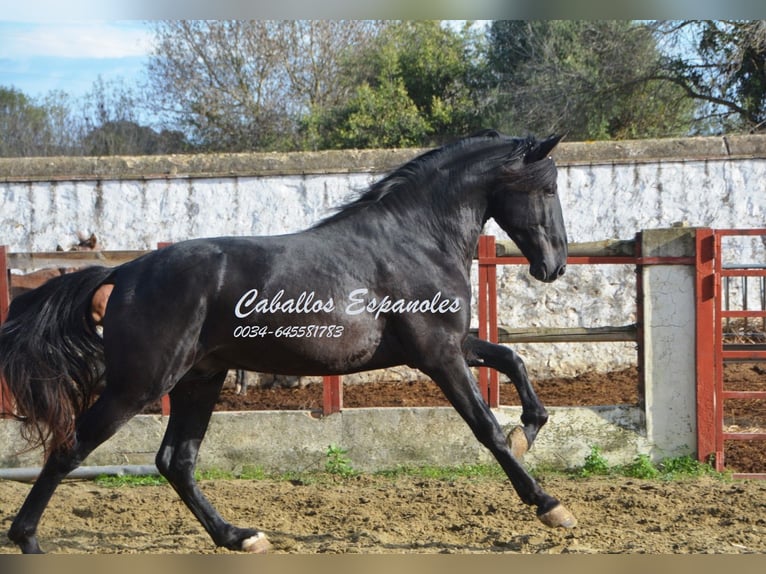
{"x": 561, "y": 270}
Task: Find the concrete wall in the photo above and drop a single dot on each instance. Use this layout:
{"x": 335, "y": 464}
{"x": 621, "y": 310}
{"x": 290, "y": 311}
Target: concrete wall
{"x": 608, "y": 190}
{"x": 376, "y": 439}
{"x": 669, "y": 341}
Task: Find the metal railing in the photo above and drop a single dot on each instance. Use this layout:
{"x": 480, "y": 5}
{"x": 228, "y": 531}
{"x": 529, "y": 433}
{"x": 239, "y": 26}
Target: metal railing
{"x": 491, "y": 253}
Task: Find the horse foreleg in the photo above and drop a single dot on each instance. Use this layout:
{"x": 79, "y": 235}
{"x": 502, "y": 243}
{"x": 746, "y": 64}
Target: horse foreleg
{"x": 480, "y": 353}
{"x": 191, "y": 405}
{"x": 459, "y": 386}
{"x": 95, "y": 426}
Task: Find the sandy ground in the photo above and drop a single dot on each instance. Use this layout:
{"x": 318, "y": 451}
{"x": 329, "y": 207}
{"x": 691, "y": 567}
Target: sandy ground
{"x": 372, "y": 515}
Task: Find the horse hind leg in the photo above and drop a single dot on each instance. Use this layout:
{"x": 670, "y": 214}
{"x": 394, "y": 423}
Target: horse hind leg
{"x": 480, "y": 353}
{"x": 95, "y": 426}
{"x": 191, "y": 405}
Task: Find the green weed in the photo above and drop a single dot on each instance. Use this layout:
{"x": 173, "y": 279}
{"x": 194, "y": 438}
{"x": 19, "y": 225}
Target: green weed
{"x": 471, "y": 471}
{"x": 338, "y": 463}
{"x": 595, "y": 464}
{"x": 641, "y": 467}
{"x": 685, "y": 467}
{"x": 116, "y": 481}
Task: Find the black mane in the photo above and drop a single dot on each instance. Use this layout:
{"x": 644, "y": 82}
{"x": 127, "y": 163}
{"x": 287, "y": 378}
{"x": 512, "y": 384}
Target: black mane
{"x": 409, "y": 179}
{"x": 391, "y": 286}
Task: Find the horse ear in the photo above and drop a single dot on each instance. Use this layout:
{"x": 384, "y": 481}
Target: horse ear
{"x": 541, "y": 149}
{"x": 486, "y": 133}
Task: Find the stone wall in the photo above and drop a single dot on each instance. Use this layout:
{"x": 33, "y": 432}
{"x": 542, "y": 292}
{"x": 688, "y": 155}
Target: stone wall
{"x": 608, "y": 190}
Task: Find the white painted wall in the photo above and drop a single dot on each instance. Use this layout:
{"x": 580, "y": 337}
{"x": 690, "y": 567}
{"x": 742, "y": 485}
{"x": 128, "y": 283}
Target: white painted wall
{"x": 602, "y": 198}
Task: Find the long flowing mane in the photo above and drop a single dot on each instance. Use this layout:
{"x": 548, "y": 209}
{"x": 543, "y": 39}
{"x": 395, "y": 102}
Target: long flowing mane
{"x": 415, "y": 178}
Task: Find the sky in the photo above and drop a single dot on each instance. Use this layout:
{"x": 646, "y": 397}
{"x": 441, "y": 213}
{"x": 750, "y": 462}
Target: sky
{"x": 38, "y": 57}
{"x": 50, "y": 45}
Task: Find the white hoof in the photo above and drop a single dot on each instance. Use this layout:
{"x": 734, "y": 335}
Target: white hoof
{"x": 558, "y": 516}
{"x": 257, "y": 544}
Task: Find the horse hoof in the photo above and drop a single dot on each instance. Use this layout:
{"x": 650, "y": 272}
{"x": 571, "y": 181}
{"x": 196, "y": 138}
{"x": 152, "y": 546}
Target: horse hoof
{"x": 558, "y": 516}
{"x": 518, "y": 442}
{"x": 257, "y": 544}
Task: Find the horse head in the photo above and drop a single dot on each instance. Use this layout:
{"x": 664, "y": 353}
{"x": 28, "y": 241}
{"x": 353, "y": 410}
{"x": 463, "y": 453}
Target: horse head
{"x": 525, "y": 203}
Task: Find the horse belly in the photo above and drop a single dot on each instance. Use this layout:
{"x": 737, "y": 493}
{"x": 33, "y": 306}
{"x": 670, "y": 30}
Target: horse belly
{"x": 305, "y": 349}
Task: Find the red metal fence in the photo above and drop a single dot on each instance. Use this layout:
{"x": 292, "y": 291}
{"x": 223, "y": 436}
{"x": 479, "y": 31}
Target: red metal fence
{"x": 491, "y": 253}
{"x": 712, "y": 348}
{"x": 719, "y": 344}
{"x": 6, "y": 405}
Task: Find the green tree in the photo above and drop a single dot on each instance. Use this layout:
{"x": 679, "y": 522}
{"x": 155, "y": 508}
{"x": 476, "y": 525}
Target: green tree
{"x": 124, "y": 137}
{"x": 64, "y": 122}
{"x": 110, "y": 116}
{"x": 588, "y": 79}
{"x": 242, "y": 85}
{"x": 23, "y": 124}
{"x": 721, "y": 64}
{"x": 413, "y": 86}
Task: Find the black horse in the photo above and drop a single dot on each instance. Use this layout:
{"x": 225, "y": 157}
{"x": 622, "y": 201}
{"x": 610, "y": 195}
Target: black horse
{"x": 385, "y": 281}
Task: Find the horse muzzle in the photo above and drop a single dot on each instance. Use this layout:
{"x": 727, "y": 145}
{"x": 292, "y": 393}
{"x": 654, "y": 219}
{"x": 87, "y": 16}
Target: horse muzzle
{"x": 541, "y": 272}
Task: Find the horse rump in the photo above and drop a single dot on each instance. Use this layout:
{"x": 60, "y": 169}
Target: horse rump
{"x": 51, "y": 356}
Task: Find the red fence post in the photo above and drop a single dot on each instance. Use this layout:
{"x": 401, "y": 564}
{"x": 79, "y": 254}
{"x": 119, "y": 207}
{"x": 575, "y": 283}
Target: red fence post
{"x": 489, "y": 381}
{"x": 640, "y": 331}
{"x": 704, "y": 342}
{"x": 165, "y": 400}
{"x": 332, "y": 394}
{"x": 6, "y": 404}
{"x": 482, "y": 310}
{"x": 494, "y": 377}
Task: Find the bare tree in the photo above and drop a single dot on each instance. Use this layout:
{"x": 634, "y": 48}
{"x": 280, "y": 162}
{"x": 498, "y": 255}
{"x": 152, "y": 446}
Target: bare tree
{"x": 585, "y": 78}
{"x": 241, "y": 85}
{"x": 721, "y": 64}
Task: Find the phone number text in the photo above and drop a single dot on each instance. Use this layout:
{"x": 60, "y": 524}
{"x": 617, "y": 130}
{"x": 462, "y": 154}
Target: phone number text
{"x": 288, "y": 332}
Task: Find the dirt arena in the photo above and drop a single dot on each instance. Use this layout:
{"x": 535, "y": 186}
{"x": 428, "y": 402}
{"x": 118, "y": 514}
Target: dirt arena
{"x": 371, "y": 515}
{"x": 375, "y": 514}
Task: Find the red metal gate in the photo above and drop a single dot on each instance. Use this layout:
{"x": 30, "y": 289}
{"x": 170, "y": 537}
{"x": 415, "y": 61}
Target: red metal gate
{"x": 718, "y": 343}
{"x": 6, "y": 405}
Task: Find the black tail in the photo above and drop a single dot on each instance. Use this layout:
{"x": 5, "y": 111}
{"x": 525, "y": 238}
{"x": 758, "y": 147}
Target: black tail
{"x": 51, "y": 356}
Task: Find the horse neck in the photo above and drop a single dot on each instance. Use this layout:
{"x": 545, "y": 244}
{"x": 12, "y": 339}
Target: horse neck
{"x": 461, "y": 223}
{"x": 449, "y": 217}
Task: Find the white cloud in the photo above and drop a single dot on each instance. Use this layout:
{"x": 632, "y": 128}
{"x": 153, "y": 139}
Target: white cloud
{"x": 97, "y": 40}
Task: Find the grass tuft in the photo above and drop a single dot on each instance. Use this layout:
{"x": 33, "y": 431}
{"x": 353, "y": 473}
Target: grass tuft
{"x": 338, "y": 467}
